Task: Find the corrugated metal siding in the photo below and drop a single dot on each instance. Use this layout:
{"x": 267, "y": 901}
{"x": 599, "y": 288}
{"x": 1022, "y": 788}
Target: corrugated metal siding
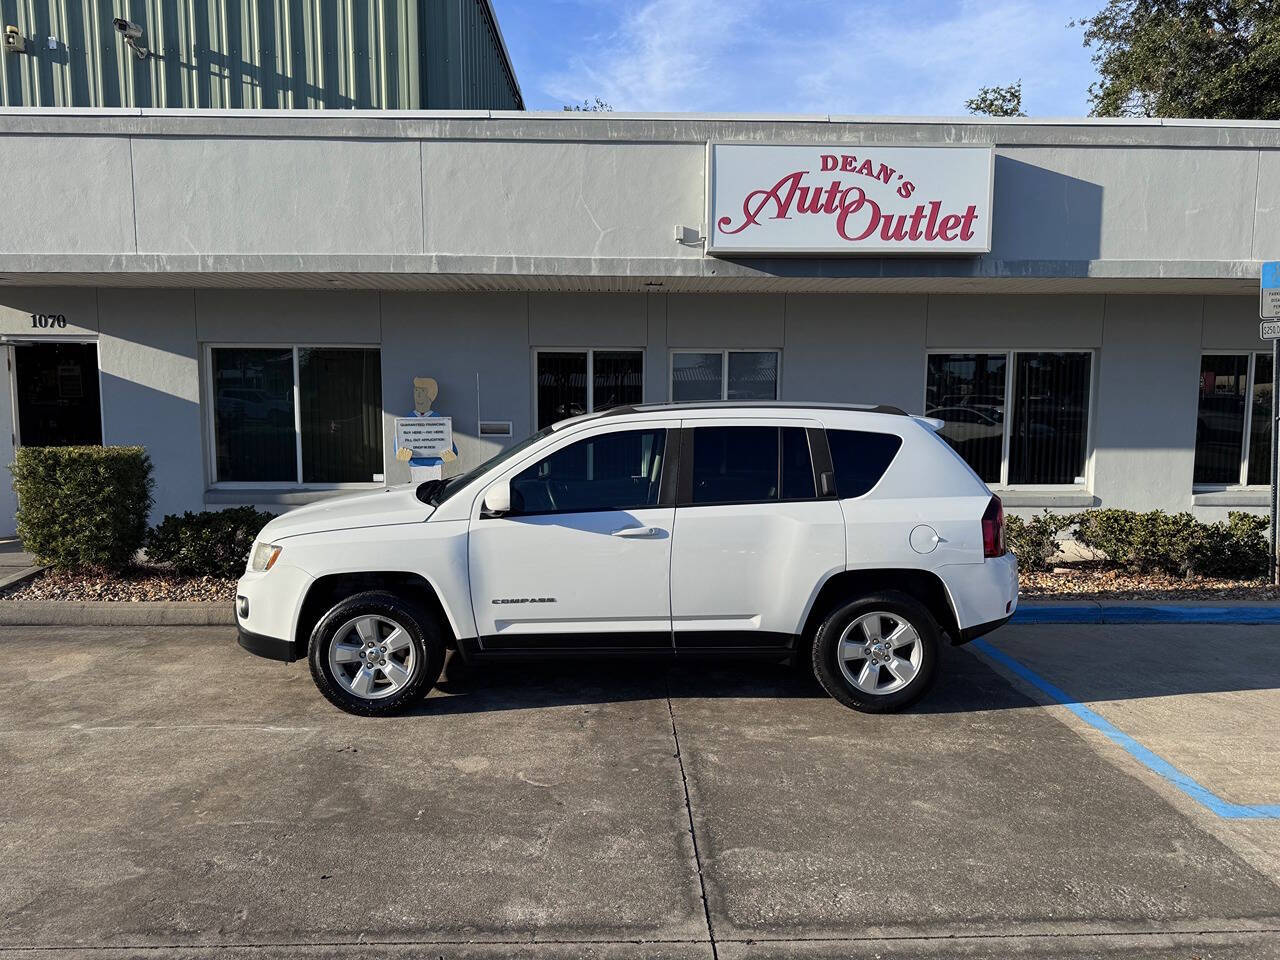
{"x": 334, "y": 54}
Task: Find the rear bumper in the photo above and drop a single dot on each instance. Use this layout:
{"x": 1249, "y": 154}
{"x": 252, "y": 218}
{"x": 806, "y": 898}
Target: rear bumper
{"x": 980, "y": 630}
{"x": 272, "y": 648}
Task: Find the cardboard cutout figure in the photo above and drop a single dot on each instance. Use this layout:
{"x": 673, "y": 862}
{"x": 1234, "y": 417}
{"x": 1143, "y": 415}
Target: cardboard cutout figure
{"x": 425, "y": 391}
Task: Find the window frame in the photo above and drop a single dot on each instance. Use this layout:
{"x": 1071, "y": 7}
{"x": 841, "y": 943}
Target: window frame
{"x": 724, "y": 369}
{"x": 209, "y": 425}
{"x": 1011, "y": 363}
{"x": 1250, "y": 385}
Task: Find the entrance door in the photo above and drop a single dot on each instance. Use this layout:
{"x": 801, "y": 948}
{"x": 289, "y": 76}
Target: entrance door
{"x": 56, "y": 385}
{"x": 582, "y": 559}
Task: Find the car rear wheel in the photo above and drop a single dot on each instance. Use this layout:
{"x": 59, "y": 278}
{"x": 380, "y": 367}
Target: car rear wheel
{"x": 877, "y": 654}
{"x": 375, "y": 654}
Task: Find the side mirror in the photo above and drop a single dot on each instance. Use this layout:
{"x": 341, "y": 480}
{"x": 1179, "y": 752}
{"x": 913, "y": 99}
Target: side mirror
{"x": 497, "y": 499}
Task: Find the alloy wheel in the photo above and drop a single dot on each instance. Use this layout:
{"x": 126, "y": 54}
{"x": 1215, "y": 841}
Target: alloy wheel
{"x": 880, "y": 652}
{"x": 372, "y": 656}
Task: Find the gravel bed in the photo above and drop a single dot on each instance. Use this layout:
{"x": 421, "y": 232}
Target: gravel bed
{"x": 139, "y": 585}
{"x": 1084, "y": 581}
{"x": 1080, "y": 581}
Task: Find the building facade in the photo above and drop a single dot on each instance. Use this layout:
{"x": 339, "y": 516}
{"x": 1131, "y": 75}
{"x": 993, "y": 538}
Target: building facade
{"x": 262, "y": 54}
{"x": 250, "y": 295}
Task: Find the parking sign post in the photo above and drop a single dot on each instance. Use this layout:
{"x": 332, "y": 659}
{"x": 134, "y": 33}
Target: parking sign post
{"x": 1269, "y": 329}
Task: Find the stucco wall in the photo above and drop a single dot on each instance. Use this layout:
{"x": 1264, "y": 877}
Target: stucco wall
{"x": 835, "y": 347}
{"x": 534, "y": 198}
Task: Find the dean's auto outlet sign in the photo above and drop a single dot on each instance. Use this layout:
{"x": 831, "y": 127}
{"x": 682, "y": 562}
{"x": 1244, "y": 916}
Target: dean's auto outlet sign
{"x": 831, "y": 200}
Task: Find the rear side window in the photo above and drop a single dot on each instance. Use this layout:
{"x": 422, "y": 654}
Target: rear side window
{"x": 860, "y": 459}
{"x": 750, "y": 465}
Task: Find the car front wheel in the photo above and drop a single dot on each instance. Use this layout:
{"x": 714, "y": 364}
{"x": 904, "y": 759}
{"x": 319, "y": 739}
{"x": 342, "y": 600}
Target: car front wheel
{"x": 374, "y": 654}
{"x": 877, "y": 654}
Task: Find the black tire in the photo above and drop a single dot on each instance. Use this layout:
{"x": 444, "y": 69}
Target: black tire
{"x": 826, "y": 641}
{"x": 424, "y": 637}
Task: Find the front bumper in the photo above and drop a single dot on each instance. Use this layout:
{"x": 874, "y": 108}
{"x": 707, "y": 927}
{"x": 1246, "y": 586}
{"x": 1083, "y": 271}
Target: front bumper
{"x": 270, "y": 647}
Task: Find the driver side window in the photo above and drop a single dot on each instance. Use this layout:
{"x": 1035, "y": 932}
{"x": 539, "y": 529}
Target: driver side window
{"x": 612, "y": 471}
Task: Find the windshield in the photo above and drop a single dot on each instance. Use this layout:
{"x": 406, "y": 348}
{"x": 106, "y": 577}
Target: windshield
{"x": 436, "y": 492}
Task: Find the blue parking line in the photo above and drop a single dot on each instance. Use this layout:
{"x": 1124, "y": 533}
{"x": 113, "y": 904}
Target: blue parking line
{"x": 1152, "y": 761}
{"x": 1095, "y": 612}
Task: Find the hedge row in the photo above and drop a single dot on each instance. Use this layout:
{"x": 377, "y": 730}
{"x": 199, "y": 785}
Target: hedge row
{"x": 86, "y": 508}
{"x": 1142, "y": 543}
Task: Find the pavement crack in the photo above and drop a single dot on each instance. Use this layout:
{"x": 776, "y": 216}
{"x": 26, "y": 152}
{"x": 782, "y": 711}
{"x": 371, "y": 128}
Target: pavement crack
{"x": 693, "y": 833}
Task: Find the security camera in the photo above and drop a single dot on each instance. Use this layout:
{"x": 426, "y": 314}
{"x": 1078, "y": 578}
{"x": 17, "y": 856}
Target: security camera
{"x": 131, "y": 33}
{"x": 14, "y": 42}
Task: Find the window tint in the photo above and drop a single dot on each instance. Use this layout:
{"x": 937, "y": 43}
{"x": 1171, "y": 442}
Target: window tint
{"x": 615, "y": 471}
{"x": 1220, "y": 418}
{"x": 253, "y": 423}
{"x": 966, "y": 390}
{"x": 735, "y": 464}
{"x": 696, "y": 376}
{"x": 752, "y": 375}
{"x": 860, "y": 459}
{"x": 797, "y": 467}
{"x": 1050, "y": 418}
{"x": 562, "y": 386}
{"x": 1260, "y": 431}
{"x": 341, "y": 404}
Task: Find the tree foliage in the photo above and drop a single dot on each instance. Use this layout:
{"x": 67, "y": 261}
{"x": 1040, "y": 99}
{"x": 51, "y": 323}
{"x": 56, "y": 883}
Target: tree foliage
{"x": 1215, "y": 59}
{"x": 998, "y": 101}
{"x": 591, "y": 106}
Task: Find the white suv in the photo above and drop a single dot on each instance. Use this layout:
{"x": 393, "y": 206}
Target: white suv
{"x": 852, "y": 537}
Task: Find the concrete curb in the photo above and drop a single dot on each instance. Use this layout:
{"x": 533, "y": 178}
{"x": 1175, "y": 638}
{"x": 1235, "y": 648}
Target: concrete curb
{"x": 22, "y": 573}
{"x": 1145, "y": 611}
{"x": 115, "y": 613}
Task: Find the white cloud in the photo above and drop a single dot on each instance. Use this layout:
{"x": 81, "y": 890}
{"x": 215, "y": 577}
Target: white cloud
{"x": 825, "y": 56}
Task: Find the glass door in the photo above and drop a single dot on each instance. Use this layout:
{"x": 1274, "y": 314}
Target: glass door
{"x": 56, "y": 387}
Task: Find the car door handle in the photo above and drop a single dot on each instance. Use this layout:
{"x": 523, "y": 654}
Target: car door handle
{"x": 636, "y": 532}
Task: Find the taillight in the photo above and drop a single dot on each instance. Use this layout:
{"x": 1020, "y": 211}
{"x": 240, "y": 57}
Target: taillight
{"x": 993, "y": 529}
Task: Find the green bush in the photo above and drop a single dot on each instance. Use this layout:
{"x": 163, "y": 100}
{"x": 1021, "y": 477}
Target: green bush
{"x": 1139, "y": 542}
{"x": 1235, "y": 550}
{"x": 83, "y": 507}
{"x": 1035, "y": 541}
{"x": 212, "y": 543}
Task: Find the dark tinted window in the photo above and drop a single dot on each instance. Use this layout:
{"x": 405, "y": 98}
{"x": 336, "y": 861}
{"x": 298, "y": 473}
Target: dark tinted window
{"x": 860, "y": 459}
{"x": 797, "y": 467}
{"x": 735, "y": 464}
{"x": 615, "y": 471}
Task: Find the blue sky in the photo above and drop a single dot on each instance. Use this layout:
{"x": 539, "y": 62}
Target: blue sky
{"x": 917, "y": 57}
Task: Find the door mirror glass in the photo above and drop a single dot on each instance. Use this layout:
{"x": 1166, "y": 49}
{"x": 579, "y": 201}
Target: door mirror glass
{"x": 497, "y": 499}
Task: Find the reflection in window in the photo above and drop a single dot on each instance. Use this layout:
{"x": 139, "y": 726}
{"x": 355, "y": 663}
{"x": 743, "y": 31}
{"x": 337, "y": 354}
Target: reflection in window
{"x": 254, "y": 426}
{"x": 616, "y": 378}
{"x": 966, "y": 390}
{"x": 1233, "y": 420}
{"x": 1260, "y": 425}
{"x": 341, "y": 403}
{"x": 724, "y": 375}
{"x": 253, "y": 415}
{"x": 753, "y": 375}
{"x": 614, "y": 471}
{"x": 1045, "y": 428}
{"x": 696, "y": 376}
{"x": 1050, "y": 418}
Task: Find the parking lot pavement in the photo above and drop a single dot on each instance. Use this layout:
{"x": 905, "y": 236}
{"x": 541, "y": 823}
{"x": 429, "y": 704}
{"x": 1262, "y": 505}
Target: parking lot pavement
{"x": 163, "y": 789}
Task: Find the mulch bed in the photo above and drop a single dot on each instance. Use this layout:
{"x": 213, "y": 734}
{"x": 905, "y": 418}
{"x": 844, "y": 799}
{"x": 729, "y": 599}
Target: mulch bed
{"x": 139, "y": 585}
{"x": 1089, "y": 581}
{"x": 1079, "y": 581}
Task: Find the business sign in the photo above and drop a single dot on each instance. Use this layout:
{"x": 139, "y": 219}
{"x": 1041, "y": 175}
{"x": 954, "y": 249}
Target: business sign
{"x": 851, "y": 200}
{"x": 1269, "y": 293}
{"x": 425, "y": 436}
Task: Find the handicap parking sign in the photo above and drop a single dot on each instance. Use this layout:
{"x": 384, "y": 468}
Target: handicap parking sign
{"x": 1269, "y": 295}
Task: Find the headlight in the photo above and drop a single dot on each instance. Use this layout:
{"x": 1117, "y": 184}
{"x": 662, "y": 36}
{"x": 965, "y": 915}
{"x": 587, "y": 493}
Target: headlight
{"x": 264, "y": 557}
